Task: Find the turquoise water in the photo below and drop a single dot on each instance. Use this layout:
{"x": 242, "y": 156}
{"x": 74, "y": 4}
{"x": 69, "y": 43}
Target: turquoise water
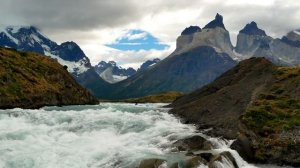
{"x": 109, "y": 135}
{"x": 106, "y": 135}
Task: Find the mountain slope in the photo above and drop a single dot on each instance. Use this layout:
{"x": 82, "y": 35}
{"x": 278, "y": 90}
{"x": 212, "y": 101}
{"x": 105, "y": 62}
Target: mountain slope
{"x": 69, "y": 53}
{"x": 110, "y": 72}
{"x": 30, "y": 80}
{"x": 255, "y": 101}
{"x": 148, "y": 64}
{"x": 199, "y": 58}
{"x": 220, "y": 104}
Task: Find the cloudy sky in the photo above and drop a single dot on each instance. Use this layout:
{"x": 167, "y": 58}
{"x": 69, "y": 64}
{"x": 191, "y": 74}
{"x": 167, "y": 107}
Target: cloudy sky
{"x": 131, "y": 31}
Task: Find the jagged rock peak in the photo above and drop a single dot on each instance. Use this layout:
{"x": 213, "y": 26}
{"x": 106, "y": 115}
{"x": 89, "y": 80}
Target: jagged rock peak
{"x": 294, "y": 35}
{"x": 252, "y": 29}
{"x": 292, "y": 38}
{"x": 16, "y": 29}
{"x": 217, "y": 22}
{"x": 191, "y": 30}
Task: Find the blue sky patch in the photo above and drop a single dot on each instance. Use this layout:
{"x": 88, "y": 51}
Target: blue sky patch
{"x": 137, "y": 40}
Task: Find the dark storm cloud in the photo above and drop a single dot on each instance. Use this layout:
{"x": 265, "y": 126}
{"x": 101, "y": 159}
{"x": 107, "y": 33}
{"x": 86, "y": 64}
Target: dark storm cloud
{"x": 84, "y": 15}
{"x": 70, "y": 14}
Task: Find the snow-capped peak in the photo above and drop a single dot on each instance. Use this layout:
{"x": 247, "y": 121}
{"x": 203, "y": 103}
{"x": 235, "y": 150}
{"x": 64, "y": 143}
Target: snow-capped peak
{"x": 30, "y": 38}
{"x": 297, "y": 32}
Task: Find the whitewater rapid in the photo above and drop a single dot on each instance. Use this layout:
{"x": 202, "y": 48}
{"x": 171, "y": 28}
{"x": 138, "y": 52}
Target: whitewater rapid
{"x": 108, "y": 135}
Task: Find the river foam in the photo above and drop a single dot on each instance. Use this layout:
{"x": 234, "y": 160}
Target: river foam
{"x": 106, "y": 135}
{"x": 109, "y": 135}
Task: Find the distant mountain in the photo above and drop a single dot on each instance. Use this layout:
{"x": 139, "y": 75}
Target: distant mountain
{"x": 254, "y": 42}
{"x": 30, "y": 80}
{"x": 110, "y": 72}
{"x": 68, "y": 53}
{"x": 148, "y": 64}
{"x": 200, "y": 57}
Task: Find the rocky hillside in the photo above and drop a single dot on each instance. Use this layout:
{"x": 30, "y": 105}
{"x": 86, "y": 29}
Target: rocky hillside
{"x": 255, "y": 101}
{"x": 30, "y": 80}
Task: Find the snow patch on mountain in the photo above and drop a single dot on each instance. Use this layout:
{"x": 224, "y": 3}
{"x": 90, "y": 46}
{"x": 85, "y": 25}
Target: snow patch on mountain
{"x": 297, "y": 32}
{"x": 29, "y": 38}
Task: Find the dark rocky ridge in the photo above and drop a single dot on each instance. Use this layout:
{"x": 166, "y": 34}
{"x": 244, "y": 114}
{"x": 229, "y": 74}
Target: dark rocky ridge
{"x": 29, "y": 80}
{"x": 70, "y": 51}
{"x": 148, "y": 64}
{"x": 290, "y": 42}
{"x": 252, "y": 29}
{"x": 217, "y": 22}
{"x": 191, "y": 30}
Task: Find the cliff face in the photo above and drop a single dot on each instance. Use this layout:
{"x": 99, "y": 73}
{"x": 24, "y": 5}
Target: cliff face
{"x": 30, "y": 80}
{"x": 256, "y": 102}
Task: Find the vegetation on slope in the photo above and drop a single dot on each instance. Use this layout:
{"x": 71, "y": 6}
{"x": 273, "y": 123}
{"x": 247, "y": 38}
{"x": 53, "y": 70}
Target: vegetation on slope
{"x": 277, "y": 108}
{"x": 166, "y": 97}
{"x": 274, "y": 117}
{"x": 30, "y": 80}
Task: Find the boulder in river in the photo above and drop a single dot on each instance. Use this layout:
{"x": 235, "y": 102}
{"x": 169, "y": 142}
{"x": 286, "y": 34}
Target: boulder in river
{"x": 153, "y": 163}
{"x": 193, "y": 143}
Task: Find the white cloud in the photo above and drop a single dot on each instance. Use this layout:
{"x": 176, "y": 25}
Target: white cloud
{"x": 131, "y": 36}
{"x": 94, "y": 23}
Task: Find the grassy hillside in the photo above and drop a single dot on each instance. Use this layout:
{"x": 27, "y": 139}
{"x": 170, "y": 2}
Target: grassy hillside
{"x": 275, "y": 117}
{"x": 167, "y": 97}
{"x": 30, "y": 80}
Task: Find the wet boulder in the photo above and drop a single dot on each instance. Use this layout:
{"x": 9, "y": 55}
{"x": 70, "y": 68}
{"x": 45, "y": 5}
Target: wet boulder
{"x": 153, "y": 163}
{"x": 224, "y": 159}
{"x": 193, "y": 143}
{"x": 195, "y": 162}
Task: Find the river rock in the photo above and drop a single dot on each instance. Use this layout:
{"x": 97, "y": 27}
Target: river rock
{"x": 244, "y": 147}
{"x": 152, "y": 163}
{"x": 224, "y": 159}
{"x": 193, "y": 143}
{"x": 206, "y": 156}
{"x": 195, "y": 162}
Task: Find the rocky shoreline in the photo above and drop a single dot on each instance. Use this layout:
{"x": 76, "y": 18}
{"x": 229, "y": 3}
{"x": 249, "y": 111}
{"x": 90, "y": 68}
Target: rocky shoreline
{"x": 198, "y": 151}
{"x": 256, "y": 103}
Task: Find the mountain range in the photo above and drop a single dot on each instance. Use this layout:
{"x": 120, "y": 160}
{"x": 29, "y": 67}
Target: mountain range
{"x": 29, "y": 38}
{"x": 112, "y": 73}
{"x": 201, "y": 55}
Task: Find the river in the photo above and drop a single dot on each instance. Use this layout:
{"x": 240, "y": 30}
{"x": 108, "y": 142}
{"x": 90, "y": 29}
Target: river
{"x": 108, "y": 135}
